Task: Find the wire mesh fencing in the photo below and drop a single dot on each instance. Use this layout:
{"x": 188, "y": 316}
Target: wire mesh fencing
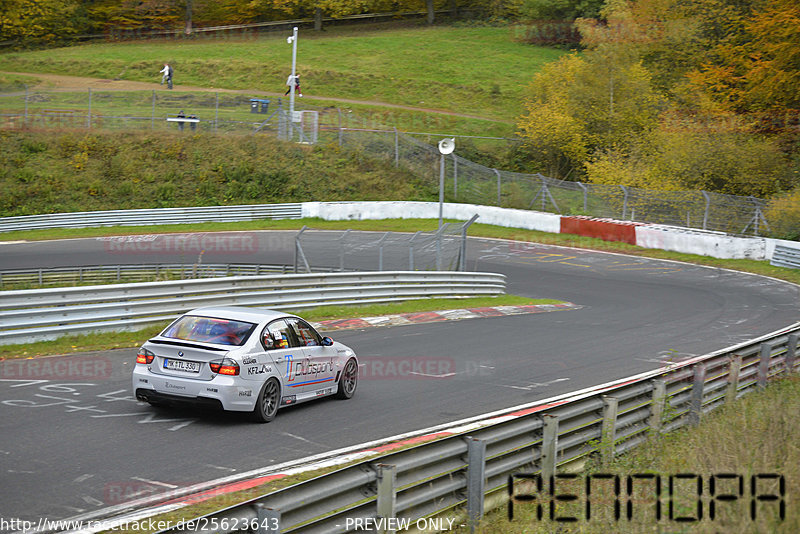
{"x": 442, "y": 250}
{"x": 470, "y": 182}
{"x": 157, "y": 110}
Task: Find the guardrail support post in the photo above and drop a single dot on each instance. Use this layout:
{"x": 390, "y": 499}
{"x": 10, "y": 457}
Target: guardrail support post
{"x": 380, "y": 250}
{"x": 342, "y": 243}
{"x": 791, "y": 353}
{"x": 696, "y": 400}
{"x": 455, "y": 176}
{"x": 549, "y": 446}
{"x": 89, "y": 112}
{"x": 733, "y": 378}
{"x": 763, "y": 364}
{"x": 476, "y": 480}
{"x": 609, "y": 431}
{"x": 387, "y": 497}
{"x": 657, "y": 404}
{"x": 462, "y": 253}
{"x": 298, "y": 251}
{"x": 269, "y": 520}
{"x": 411, "y": 251}
{"x": 396, "y": 147}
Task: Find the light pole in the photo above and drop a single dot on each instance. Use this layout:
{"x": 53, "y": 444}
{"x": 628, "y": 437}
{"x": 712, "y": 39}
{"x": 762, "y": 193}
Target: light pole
{"x": 446, "y": 146}
{"x": 293, "y": 41}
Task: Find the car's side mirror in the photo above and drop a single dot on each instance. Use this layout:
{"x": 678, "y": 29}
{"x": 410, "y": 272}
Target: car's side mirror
{"x": 326, "y": 341}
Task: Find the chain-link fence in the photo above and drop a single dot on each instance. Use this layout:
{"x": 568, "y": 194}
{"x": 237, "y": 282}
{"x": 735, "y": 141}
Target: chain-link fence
{"x": 466, "y": 181}
{"x": 443, "y": 250}
{"x": 157, "y": 110}
{"x": 470, "y": 182}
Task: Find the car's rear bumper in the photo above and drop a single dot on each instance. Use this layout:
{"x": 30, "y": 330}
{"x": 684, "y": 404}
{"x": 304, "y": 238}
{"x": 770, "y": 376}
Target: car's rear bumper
{"x": 155, "y": 397}
{"x": 225, "y": 392}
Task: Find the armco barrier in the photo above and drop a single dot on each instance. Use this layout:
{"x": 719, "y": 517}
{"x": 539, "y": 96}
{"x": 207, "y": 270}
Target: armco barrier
{"x": 106, "y": 274}
{"x": 41, "y": 314}
{"x": 786, "y": 256}
{"x": 146, "y": 217}
{"x": 453, "y": 476}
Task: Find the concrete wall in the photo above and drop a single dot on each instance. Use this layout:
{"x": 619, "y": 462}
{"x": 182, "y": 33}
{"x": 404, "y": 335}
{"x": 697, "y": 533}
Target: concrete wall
{"x": 356, "y": 211}
{"x": 672, "y": 238}
{"x": 714, "y": 244}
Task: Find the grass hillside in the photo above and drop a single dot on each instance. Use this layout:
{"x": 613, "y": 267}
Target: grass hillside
{"x": 476, "y": 70}
{"x": 51, "y": 172}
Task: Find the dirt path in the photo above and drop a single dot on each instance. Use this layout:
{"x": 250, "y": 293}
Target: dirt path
{"x": 59, "y": 82}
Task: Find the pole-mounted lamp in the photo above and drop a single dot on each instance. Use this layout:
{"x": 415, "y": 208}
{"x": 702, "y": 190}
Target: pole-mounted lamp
{"x": 446, "y": 146}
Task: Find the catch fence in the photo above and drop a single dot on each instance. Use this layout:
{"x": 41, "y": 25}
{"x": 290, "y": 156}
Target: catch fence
{"x": 466, "y": 181}
{"x": 442, "y": 250}
{"x": 472, "y": 183}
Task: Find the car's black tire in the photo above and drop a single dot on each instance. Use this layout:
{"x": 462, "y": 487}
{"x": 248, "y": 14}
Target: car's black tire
{"x": 268, "y": 401}
{"x": 348, "y": 380}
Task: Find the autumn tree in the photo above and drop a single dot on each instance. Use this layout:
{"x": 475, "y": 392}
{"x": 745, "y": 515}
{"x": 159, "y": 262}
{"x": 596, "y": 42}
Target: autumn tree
{"x": 584, "y": 103}
{"x": 39, "y": 21}
{"x": 735, "y": 163}
{"x": 138, "y": 14}
{"x": 560, "y": 10}
{"x": 757, "y": 66}
{"x": 656, "y": 99}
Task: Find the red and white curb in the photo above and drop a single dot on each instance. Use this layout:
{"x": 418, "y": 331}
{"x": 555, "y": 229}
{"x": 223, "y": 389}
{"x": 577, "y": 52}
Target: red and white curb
{"x": 442, "y": 315}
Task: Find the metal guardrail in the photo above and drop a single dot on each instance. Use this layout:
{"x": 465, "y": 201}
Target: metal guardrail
{"x": 456, "y": 475}
{"x": 104, "y": 274}
{"x": 786, "y": 257}
{"x": 41, "y": 314}
{"x": 147, "y": 217}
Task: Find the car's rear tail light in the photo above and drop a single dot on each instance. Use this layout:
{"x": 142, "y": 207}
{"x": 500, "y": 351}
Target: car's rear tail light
{"x": 224, "y": 367}
{"x": 144, "y": 356}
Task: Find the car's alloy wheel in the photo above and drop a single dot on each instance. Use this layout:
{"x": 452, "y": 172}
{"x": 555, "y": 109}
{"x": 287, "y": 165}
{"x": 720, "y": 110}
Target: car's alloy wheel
{"x": 348, "y": 381}
{"x": 268, "y": 401}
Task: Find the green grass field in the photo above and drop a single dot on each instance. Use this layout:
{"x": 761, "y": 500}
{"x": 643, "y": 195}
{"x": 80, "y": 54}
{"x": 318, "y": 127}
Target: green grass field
{"x": 422, "y": 67}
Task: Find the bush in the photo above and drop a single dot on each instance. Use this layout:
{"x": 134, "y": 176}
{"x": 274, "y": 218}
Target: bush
{"x": 783, "y": 216}
{"x": 138, "y": 170}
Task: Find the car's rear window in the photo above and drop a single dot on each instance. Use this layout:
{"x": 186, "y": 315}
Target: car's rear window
{"x": 209, "y": 330}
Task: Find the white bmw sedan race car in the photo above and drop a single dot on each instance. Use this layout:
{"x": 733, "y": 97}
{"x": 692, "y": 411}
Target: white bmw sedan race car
{"x": 242, "y": 359}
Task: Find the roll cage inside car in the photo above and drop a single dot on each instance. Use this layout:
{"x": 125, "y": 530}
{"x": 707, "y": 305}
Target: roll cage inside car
{"x": 289, "y": 332}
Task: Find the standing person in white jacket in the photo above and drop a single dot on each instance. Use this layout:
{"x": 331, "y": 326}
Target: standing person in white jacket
{"x": 167, "y": 75}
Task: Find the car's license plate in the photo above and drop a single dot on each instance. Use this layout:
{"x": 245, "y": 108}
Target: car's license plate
{"x": 180, "y": 365}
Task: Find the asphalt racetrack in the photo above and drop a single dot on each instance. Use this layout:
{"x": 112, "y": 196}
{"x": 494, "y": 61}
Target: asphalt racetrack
{"x": 74, "y": 446}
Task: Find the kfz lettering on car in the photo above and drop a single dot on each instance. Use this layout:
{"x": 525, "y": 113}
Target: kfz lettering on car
{"x": 242, "y": 359}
